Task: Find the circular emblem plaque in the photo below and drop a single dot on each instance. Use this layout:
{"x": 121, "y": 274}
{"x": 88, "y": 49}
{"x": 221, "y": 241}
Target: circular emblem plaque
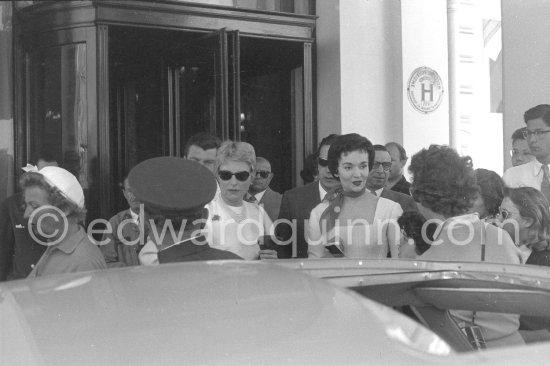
{"x": 425, "y": 90}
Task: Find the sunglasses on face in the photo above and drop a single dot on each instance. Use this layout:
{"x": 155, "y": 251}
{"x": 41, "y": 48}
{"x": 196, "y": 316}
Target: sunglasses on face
{"x": 322, "y": 162}
{"x": 262, "y": 173}
{"x": 226, "y": 175}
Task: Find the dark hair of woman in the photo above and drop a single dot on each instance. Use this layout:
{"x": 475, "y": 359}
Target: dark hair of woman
{"x": 345, "y": 144}
{"x": 532, "y": 204}
{"x": 412, "y": 223}
{"x": 443, "y": 181}
{"x": 492, "y": 189}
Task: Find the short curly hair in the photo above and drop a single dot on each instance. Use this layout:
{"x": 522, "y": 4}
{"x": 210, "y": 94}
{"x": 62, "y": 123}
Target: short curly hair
{"x": 55, "y": 197}
{"x": 491, "y": 187}
{"x": 345, "y": 144}
{"x": 236, "y": 151}
{"x": 443, "y": 181}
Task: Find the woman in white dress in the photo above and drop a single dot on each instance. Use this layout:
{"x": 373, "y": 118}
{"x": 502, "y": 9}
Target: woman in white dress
{"x": 234, "y": 224}
{"x": 353, "y": 222}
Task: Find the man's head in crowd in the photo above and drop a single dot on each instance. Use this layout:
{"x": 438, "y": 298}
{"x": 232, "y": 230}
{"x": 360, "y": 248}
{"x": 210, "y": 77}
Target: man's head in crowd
{"x": 537, "y": 134}
{"x": 202, "y": 148}
{"x": 520, "y": 152}
{"x": 327, "y": 180}
{"x": 262, "y": 176}
{"x": 133, "y": 202}
{"x": 44, "y": 159}
{"x": 398, "y": 160}
{"x": 380, "y": 168}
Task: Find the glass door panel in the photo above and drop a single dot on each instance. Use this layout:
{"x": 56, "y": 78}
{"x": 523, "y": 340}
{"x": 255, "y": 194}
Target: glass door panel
{"x": 198, "y": 72}
{"x": 268, "y": 111}
{"x": 58, "y": 105}
{"x": 171, "y": 87}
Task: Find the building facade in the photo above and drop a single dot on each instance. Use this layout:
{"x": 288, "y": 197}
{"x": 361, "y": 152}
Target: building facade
{"x": 103, "y": 85}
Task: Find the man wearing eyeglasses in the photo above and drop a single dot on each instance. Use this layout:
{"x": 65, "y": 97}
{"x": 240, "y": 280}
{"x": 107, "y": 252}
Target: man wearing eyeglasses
{"x": 297, "y": 203}
{"x": 536, "y": 172}
{"x": 378, "y": 177}
{"x": 259, "y": 191}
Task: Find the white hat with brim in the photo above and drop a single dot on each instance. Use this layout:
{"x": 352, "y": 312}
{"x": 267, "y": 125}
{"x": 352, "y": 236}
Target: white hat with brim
{"x": 66, "y": 182}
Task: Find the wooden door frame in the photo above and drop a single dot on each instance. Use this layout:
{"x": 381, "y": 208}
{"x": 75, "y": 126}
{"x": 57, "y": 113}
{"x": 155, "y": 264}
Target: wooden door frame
{"x": 57, "y": 21}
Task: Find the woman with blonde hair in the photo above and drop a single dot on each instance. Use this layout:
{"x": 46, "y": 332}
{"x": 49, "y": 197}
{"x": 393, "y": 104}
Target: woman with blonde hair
{"x": 234, "y": 224}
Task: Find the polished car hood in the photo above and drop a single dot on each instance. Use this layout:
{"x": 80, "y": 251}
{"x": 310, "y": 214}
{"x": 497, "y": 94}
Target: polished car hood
{"x": 219, "y": 312}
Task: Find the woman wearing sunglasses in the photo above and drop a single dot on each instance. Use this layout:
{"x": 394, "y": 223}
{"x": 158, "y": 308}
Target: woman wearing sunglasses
{"x": 234, "y": 224}
{"x": 525, "y": 216}
{"x": 353, "y": 222}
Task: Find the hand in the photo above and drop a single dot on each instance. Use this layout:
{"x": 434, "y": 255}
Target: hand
{"x": 268, "y": 254}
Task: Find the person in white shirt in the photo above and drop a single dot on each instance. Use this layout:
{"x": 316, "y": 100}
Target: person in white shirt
{"x": 234, "y": 224}
{"x": 537, "y": 135}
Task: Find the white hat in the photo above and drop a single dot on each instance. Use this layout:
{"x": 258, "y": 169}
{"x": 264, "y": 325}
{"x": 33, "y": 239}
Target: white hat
{"x": 65, "y": 182}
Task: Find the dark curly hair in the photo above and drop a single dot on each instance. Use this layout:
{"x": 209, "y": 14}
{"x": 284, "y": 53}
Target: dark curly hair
{"x": 414, "y": 226}
{"x": 344, "y": 144}
{"x": 492, "y": 189}
{"x": 443, "y": 181}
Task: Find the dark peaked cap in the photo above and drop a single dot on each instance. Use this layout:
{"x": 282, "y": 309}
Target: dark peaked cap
{"x": 172, "y": 186}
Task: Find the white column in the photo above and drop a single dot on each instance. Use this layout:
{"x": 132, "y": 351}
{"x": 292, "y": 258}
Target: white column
{"x": 424, "y": 35}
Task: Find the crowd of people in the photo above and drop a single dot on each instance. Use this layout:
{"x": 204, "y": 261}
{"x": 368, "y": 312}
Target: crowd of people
{"x": 216, "y": 203}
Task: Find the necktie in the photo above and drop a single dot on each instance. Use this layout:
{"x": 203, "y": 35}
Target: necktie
{"x": 250, "y": 198}
{"x": 545, "y": 185}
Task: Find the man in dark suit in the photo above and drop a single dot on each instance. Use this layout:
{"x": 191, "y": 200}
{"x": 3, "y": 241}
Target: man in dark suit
{"x": 297, "y": 203}
{"x": 260, "y": 192}
{"x": 396, "y": 181}
{"x": 378, "y": 177}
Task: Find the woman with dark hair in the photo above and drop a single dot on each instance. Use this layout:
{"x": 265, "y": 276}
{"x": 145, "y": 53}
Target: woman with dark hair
{"x": 416, "y": 234}
{"x": 525, "y": 216}
{"x": 490, "y": 196}
{"x": 352, "y": 222}
{"x": 444, "y": 184}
